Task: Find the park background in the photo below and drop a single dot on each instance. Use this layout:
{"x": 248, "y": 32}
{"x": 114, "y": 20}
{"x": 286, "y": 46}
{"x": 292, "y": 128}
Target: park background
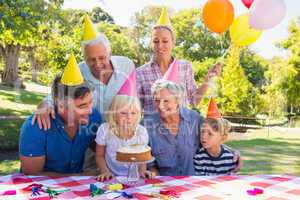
{"x": 259, "y": 90}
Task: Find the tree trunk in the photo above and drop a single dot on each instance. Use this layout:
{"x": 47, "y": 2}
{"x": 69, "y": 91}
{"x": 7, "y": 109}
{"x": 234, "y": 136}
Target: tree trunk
{"x": 34, "y": 66}
{"x": 11, "y": 54}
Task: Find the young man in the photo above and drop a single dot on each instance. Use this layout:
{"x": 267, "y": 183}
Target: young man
{"x": 60, "y": 150}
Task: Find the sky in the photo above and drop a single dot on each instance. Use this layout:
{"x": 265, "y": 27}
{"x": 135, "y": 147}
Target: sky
{"x": 123, "y": 10}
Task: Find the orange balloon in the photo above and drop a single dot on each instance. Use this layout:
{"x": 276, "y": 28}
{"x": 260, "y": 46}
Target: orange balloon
{"x": 218, "y": 15}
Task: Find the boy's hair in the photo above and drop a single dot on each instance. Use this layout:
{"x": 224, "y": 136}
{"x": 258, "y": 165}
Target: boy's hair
{"x": 119, "y": 102}
{"x": 220, "y": 125}
{"x": 63, "y": 92}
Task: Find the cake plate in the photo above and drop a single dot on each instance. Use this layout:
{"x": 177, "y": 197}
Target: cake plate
{"x": 133, "y": 176}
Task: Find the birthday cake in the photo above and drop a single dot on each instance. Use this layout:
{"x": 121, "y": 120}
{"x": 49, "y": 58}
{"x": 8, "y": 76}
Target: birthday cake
{"x": 134, "y": 153}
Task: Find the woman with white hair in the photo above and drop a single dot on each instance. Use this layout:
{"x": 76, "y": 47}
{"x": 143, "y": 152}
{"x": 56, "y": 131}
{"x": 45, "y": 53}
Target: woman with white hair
{"x": 173, "y": 131}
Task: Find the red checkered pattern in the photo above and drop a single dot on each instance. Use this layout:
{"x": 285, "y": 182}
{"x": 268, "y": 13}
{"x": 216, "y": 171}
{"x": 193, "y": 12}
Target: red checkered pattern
{"x": 283, "y": 187}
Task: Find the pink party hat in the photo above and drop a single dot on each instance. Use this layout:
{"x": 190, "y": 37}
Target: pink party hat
{"x": 129, "y": 86}
{"x": 172, "y": 74}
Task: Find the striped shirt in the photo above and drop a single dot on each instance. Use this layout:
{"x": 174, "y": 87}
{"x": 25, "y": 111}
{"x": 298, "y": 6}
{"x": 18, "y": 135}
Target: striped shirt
{"x": 207, "y": 165}
{"x": 150, "y": 72}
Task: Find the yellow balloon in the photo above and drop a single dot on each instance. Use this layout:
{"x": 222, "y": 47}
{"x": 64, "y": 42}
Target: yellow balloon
{"x": 241, "y": 33}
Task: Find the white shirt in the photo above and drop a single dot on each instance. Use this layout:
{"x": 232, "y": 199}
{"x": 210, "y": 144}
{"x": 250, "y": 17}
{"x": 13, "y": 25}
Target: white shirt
{"x": 103, "y": 94}
{"x": 112, "y": 143}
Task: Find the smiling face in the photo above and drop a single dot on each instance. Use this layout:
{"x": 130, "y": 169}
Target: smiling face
{"x": 166, "y": 103}
{"x": 162, "y": 42}
{"x": 76, "y": 111}
{"x": 97, "y": 57}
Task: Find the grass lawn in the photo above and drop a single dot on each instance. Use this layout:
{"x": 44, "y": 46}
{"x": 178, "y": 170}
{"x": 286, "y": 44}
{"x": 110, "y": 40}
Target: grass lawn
{"x": 274, "y": 153}
{"x": 15, "y": 103}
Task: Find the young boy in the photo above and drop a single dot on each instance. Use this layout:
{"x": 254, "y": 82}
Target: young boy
{"x": 214, "y": 158}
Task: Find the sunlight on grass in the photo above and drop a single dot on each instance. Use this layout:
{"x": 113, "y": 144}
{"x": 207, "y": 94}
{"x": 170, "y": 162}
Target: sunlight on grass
{"x": 16, "y": 103}
{"x": 276, "y": 152}
{"x": 9, "y": 166}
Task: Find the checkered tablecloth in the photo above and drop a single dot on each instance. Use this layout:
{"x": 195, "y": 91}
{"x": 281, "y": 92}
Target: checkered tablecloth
{"x": 276, "y": 187}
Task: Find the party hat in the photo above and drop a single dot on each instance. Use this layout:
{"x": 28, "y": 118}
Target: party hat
{"x": 213, "y": 111}
{"x": 164, "y": 19}
{"x": 129, "y": 86}
{"x": 72, "y": 75}
{"x": 172, "y": 74}
{"x": 89, "y": 32}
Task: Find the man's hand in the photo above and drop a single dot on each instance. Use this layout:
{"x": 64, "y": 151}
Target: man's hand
{"x": 43, "y": 114}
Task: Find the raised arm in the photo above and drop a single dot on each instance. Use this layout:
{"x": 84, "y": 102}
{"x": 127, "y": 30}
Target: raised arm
{"x": 202, "y": 89}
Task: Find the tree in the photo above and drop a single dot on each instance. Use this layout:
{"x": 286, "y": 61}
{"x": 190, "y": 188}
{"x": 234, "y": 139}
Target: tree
{"x": 143, "y": 22}
{"x": 121, "y": 43}
{"x": 275, "y": 102}
{"x": 19, "y": 25}
{"x": 237, "y": 95}
{"x": 254, "y": 67}
{"x": 193, "y": 41}
{"x": 292, "y": 82}
{"x": 99, "y": 15}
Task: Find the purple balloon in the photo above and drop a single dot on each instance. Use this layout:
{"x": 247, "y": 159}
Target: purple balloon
{"x": 265, "y": 14}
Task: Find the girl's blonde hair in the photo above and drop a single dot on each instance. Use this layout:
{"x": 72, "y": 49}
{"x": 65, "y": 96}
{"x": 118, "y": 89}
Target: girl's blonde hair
{"x": 120, "y": 102}
{"x": 221, "y": 126}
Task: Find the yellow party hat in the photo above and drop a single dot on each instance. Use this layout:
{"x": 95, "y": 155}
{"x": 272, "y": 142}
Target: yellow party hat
{"x": 72, "y": 75}
{"x": 164, "y": 19}
{"x": 89, "y": 32}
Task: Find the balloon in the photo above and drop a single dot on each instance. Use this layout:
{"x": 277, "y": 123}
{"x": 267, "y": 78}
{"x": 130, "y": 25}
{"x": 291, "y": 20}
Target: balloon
{"x": 218, "y": 15}
{"x": 265, "y": 14}
{"x": 241, "y": 33}
{"x": 247, "y": 3}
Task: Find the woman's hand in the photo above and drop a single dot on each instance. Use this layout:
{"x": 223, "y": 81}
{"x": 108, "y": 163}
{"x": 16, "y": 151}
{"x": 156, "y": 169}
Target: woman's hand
{"x": 147, "y": 174}
{"x": 105, "y": 176}
{"x": 214, "y": 71}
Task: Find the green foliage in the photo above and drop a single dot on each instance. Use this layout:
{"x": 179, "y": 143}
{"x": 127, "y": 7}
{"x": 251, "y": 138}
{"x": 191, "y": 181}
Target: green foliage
{"x": 292, "y": 82}
{"x": 20, "y": 20}
{"x": 237, "y": 95}
{"x": 121, "y": 43}
{"x": 254, "y": 67}
{"x": 99, "y": 15}
{"x": 194, "y": 41}
{"x": 275, "y": 101}
{"x": 143, "y": 22}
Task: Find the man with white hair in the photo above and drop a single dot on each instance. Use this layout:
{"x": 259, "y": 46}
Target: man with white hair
{"x": 104, "y": 72}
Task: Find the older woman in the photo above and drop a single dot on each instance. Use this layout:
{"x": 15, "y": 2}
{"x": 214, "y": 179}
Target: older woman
{"x": 162, "y": 44}
{"x": 173, "y": 130}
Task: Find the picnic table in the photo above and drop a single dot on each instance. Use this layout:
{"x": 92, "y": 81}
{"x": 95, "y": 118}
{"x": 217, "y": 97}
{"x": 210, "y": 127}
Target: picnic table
{"x": 274, "y": 187}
